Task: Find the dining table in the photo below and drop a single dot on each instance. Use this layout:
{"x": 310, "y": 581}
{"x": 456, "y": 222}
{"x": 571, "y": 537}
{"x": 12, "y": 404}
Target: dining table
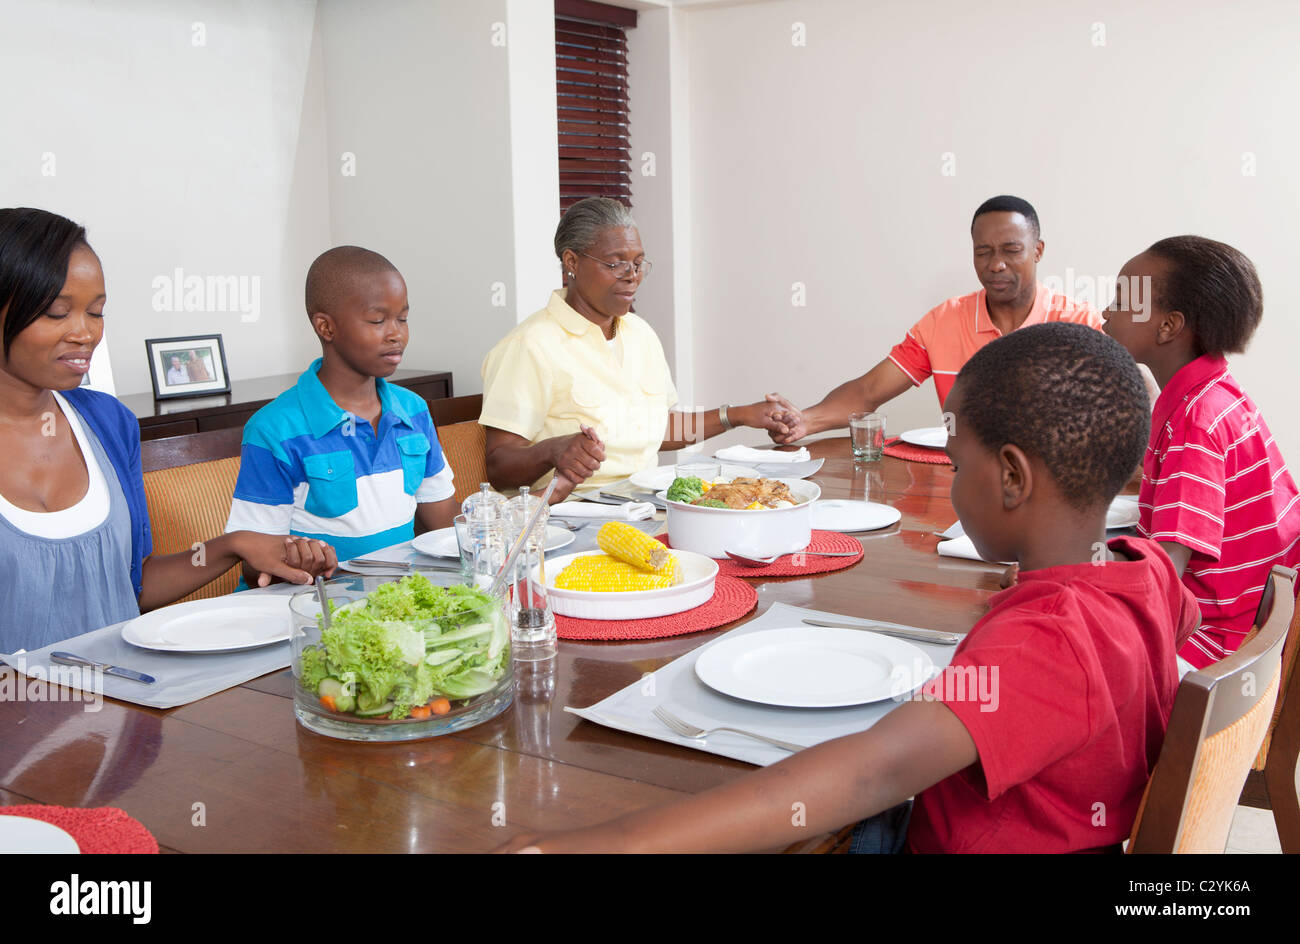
{"x": 236, "y": 772}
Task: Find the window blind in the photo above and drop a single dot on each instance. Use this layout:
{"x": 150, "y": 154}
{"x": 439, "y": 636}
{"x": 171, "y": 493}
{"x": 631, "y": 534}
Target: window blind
{"x": 592, "y": 99}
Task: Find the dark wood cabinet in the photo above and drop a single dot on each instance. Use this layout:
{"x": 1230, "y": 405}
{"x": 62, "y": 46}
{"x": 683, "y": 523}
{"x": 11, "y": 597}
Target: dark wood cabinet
{"x": 160, "y": 419}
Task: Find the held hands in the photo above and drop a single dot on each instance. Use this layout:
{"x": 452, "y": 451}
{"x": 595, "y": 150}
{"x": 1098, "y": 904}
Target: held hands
{"x": 577, "y": 457}
{"x": 781, "y": 418}
{"x": 292, "y": 559}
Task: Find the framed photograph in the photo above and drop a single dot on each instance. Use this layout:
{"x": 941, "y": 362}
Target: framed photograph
{"x": 187, "y": 367}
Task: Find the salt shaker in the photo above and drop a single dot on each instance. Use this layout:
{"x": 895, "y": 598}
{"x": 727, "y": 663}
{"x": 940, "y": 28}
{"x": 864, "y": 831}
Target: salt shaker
{"x": 532, "y": 622}
{"x": 486, "y": 519}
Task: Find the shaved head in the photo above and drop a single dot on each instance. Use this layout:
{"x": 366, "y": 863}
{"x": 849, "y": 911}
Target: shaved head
{"x": 339, "y": 274}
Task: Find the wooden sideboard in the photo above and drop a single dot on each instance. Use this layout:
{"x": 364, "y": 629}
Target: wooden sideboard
{"x": 162, "y": 418}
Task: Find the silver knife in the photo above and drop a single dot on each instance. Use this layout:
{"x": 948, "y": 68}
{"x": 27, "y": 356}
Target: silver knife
{"x": 623, "y": 499}
{"x": 67, "y": 658}
{"x": 921, "y": 635}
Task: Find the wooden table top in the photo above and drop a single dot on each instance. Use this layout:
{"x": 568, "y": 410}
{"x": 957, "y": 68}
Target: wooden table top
{"x": 236, "y": 773}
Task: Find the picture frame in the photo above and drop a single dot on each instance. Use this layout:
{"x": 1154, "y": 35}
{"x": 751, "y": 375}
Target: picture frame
{"x": 192, "y": 366}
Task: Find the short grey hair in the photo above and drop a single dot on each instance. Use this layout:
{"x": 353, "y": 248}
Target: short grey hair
{"x": 585, "y": 219}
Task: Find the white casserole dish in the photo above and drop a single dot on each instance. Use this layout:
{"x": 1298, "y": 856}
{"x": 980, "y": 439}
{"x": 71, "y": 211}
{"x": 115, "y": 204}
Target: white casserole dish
{"x": 714, "y": 531}
{"x": 694, "y": 588}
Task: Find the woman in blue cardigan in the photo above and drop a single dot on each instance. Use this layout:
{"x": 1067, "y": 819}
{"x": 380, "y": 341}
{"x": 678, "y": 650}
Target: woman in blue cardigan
{"x": 75, "y": 544}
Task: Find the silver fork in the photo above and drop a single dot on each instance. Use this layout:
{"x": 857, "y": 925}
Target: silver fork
{"x": 678, "y": 726}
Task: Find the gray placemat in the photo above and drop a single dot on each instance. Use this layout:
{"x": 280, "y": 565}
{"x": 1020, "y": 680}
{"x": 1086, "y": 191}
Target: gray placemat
{"x": 181, "y": 677}
{"x": 676, "y": 687}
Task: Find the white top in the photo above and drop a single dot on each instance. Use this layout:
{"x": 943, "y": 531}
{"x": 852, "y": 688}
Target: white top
{"x": 86, "y": 515}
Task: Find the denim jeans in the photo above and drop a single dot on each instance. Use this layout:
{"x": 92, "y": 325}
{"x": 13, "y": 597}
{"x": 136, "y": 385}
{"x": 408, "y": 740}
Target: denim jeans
{"x": 883, "y": 834}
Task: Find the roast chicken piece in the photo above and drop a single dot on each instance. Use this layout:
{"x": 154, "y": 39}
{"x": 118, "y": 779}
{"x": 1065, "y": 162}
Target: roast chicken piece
{"x": 741, "y": 493}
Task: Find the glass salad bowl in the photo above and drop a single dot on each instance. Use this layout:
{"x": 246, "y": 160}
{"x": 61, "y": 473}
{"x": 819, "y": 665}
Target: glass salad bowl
{"x": 402, "y": 659}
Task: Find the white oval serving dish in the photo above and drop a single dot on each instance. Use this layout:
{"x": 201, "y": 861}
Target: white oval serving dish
{"x": 714, "y": 531}
{"x": 694, "y": 589}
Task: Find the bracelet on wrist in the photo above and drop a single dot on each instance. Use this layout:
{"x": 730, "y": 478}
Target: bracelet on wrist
{"x": 722, "y": 416}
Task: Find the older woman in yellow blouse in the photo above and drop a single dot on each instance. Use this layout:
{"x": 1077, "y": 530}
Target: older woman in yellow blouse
{"x": 582, "y": 388}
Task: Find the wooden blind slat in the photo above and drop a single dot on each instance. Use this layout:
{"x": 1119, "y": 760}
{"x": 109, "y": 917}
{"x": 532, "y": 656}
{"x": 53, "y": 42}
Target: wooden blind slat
{"x": 618, "y": 69}
{"x": 597, "y": 154}
{"x": 572, "y": 77}
{"x": 570, "y": 166}
{"x": 594, "y": 116}
{"x": 593, "y": 140}
{"x": 597, "y": 94}
{"x": 593, "y": 103}
{"x": 614, "y": 45}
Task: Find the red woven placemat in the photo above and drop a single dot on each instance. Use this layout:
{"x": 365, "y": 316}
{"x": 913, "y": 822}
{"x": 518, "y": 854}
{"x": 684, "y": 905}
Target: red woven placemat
{"x": 901, "y": 450}
{"x": 100, "y": 830}
{"x": 798, "y": 565}
{"x": 731, "y": 600}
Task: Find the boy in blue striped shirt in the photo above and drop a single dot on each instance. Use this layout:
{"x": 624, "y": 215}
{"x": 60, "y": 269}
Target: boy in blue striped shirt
{"x": 344, "y": 456}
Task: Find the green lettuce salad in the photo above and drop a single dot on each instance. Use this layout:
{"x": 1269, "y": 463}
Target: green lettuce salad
{"x": 407, "y": 647}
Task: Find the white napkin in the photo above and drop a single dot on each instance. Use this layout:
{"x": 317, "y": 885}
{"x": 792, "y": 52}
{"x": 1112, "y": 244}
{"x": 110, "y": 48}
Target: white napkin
{"x": 747, "y": 454}
{"x": 963, "y": 547}
{"x": 628, "y": 511}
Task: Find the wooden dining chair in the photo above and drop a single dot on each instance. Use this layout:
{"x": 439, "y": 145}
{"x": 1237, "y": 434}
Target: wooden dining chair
{"x": 1220, "y": 716}
{"x": 1280, "y": 755}
{"x": 189, "y": 483}
{"x": 463, "y": 441}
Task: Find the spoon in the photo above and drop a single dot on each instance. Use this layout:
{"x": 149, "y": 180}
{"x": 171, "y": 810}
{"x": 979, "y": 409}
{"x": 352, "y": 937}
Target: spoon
{"x": 764, "y": 561}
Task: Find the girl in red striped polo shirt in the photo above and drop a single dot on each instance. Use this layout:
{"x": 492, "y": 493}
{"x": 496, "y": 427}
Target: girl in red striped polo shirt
{"x": 1216, "y": 492}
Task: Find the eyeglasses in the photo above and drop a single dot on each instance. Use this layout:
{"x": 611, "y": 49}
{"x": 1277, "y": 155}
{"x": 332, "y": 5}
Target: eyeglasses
{"x": 623, "y": 269}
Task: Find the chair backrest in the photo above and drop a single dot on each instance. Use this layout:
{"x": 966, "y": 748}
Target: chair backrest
{"x": 465, "y": 447}
{"x": 463, "y": 440}
{"x": 1282, "y": 771}
{"x": 1288, "y": 670}
{"x": 189, "y": 482}
{"x": 456, "y": 409}
{"x": 1219, "y": 719}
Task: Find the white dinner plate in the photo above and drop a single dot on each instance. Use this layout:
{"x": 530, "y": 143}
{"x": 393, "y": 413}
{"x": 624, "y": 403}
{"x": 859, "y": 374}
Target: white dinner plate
{"x": 22, "y": 834}
{"x": 842, "y": 514}
{"x": 656, "y": 480}
{"x": 442, "y": 543}
{"x": 1122, "y": 513}
{"x": 813, "y": 667}
{"x": 221, "y": 624}
{"x": 932, "y": 437}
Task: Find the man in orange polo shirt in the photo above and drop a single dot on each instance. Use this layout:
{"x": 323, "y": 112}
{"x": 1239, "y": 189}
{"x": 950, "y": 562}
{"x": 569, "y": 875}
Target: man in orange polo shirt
{"x": 1008, "y": 247}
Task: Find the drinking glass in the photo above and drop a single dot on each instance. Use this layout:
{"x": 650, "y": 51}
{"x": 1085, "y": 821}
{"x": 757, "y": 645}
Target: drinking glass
{"x": 706, "y": 470}
{"x": 867, "y": 431}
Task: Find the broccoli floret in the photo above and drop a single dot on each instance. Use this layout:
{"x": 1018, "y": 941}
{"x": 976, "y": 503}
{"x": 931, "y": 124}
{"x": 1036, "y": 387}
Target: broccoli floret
{"x": 685, "y": 489}
{"x": 710, "y": 503}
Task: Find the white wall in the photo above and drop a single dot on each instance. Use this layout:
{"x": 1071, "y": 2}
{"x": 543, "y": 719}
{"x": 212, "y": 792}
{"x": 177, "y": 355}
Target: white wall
{"x": 659, "y": 108}
{"x": 456, "y": 179}
{"x": 173, "y": 155}
{"x": 822, "y": 164}
{"x": 534, "y": 154}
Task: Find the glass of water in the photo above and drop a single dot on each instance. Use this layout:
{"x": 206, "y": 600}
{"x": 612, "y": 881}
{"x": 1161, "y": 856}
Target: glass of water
{"x": 867, "y": 431}
{"x": 706, "y": 470}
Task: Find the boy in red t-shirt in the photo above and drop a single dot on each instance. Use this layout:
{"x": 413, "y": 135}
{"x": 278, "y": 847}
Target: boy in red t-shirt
{"x": 1216, "y": 493}
{"x": 1042, "y": 733}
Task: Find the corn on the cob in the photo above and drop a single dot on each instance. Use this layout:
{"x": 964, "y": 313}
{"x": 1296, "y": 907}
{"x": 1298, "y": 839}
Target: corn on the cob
{"x": 621, "y": 540}
{"x": 602, "y": 573}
